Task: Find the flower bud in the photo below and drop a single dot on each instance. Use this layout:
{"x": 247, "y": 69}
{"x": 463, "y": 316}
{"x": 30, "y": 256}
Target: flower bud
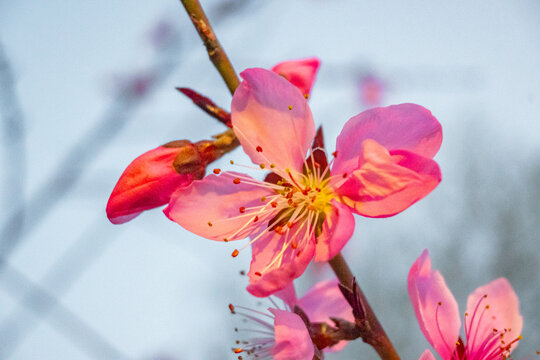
{"x": 151, "y": 179}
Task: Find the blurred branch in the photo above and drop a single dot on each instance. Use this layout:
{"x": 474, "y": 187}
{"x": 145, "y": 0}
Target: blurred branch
{"x": 12, "y": 141}
{"x": 64, "y": 273}
{"x": 69, "y": 323}
{"x": 85, "y": 151}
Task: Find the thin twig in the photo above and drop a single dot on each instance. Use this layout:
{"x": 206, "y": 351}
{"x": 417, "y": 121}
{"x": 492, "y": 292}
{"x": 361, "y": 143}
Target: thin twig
{"x": 215, "y": 52}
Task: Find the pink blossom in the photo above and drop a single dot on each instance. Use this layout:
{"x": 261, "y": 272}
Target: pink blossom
{"x": 371, "y": 89}
{"x": 149, "y": 181}
{"x": 383, "y": 165}
{"x": 492, "y": 321}
{"x": 288, "y": 338}
{"x": 280, "y": 334}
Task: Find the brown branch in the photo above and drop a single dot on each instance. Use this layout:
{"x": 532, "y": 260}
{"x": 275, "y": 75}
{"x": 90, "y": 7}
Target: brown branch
{"x": 215, "y": 52}
{"x": 367, "y": 326}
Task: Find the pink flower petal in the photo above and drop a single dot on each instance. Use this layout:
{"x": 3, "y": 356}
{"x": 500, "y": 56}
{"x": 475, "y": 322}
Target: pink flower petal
{"x": 435, "y": 307}
{"x": 211, "y": 207}
{"x": 502, "y": 313}
{"x": 386, "y": 183}
{"x": 323, "y": 301}
{"x": 147, "y": 183}
{"x": 398, "y": 127}
{"x": 301, "y": 73}
{"x": 288, "y": 295}
{"x": 337, "y": 229}
{"x": 269, "y": 132}
{"x": 266, "y": 279}
{"x": 292, "y": 337}
{"x": 427, "y": 355}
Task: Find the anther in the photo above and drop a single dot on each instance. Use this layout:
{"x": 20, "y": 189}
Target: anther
{"x": 345, "y": 175}
{"x": 306, "y": 96}
{"x": 231, "y": 307}
{"x": 290, "y": 107}
{"x": 439, "y": 303}
{"x": 209, "y": 223}
{"x": 263, "y": 199}
{"x": 262, "y": 166}
{"x": 258, "y": 273}
{"x": 238, "y": 351}
{"x": 217, "y": 171}
{"x": 236, "y": 181}
{"x": 242, "y": 209}
{"x": 294, "y": 245}
{"x": 258, "y": 148}
{"x": 334, "y": 154}
{"x": 235, "y": 253}
{"x": 278, "y": 229}
{"x": 256, "y": 219}
{"x": 232, "y": 162}
{"x": 274, "y": 204}
{"x": 272, "y": 166}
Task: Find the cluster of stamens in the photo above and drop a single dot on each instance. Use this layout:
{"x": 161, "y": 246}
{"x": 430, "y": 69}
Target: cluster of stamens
{"x": 261, "y": 344}
{"x": 492, "y": 346}
{"x": 296, "y": 207}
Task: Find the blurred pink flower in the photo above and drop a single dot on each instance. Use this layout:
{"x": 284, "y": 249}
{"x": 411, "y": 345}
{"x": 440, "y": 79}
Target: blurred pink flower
{"x": 161, "y": 33}
{"x": 383, "y": 164}
{"x": 371, "y": 89}
{"x": 149, "y": 181}
{"x": 492, "y": 321}
{"x": 288, "y": 337}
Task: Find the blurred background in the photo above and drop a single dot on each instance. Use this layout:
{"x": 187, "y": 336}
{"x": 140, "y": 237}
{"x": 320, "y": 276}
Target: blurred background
{"x": 85, "y": 87}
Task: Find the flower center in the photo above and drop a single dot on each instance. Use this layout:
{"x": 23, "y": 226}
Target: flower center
{"x": 494, "y": 345}
{"x": 296, "y": 207}
{"x": 260, "y": 325}
{"x": 304, "y": 198}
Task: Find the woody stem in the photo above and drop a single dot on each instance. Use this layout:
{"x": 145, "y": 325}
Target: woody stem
{"x": 215, "y": 52}
{"x": 372, "y": 330}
